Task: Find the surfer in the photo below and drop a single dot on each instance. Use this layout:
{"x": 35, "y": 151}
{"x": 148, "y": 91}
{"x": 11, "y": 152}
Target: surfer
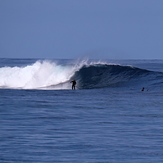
{"x": 73, "y": 84}
{"x": 143, "y": 89}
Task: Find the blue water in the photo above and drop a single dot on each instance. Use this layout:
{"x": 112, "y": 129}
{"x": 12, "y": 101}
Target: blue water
{"x": 112, "y": 123}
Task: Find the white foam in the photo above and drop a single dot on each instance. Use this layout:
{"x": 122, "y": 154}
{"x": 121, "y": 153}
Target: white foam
{"x": 38, "y": 75}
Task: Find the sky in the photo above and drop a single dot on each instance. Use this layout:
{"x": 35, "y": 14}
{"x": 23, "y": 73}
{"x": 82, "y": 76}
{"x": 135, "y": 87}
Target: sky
{"x": 71, "y": 29}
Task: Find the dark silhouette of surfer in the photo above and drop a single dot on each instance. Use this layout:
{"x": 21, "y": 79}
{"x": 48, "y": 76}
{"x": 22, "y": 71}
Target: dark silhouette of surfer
{"x": 73, "y": 84}
{"x": 143, "y": 89}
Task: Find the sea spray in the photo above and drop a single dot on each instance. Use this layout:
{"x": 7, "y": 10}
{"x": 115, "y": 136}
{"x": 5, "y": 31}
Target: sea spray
{"x": 34, "y": 76}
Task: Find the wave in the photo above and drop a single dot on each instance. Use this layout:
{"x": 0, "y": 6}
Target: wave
{"x": 106, "y": 75}
{"x": 53, "y": 75}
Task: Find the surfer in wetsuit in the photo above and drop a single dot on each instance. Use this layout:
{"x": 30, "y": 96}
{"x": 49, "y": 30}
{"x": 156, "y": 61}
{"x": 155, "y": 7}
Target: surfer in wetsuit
{"x": 73, "y": 84}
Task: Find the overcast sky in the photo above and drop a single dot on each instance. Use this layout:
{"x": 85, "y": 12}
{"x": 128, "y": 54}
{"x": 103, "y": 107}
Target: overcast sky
{"x": 70, "y": 29}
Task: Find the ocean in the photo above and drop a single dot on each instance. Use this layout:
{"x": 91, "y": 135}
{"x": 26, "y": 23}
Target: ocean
{"x": 109, "y": 118}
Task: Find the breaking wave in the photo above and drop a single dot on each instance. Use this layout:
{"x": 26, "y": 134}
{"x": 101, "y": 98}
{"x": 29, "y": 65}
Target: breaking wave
{"x": 38, "y": 75}
{"x": 52, "y": 75}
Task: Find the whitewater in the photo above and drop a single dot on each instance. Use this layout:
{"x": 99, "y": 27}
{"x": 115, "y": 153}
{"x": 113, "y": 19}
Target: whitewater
{"x": 109, "y": 118}
{"x": 37, "y": 75}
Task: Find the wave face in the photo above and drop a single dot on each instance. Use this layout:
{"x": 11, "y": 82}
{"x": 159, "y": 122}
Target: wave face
{"x": 51, "y": 75}
{"x": 104, "y": 75}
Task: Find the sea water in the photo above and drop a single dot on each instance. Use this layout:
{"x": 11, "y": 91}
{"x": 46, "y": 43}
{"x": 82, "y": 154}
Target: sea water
{"x": 107, "y": 119}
